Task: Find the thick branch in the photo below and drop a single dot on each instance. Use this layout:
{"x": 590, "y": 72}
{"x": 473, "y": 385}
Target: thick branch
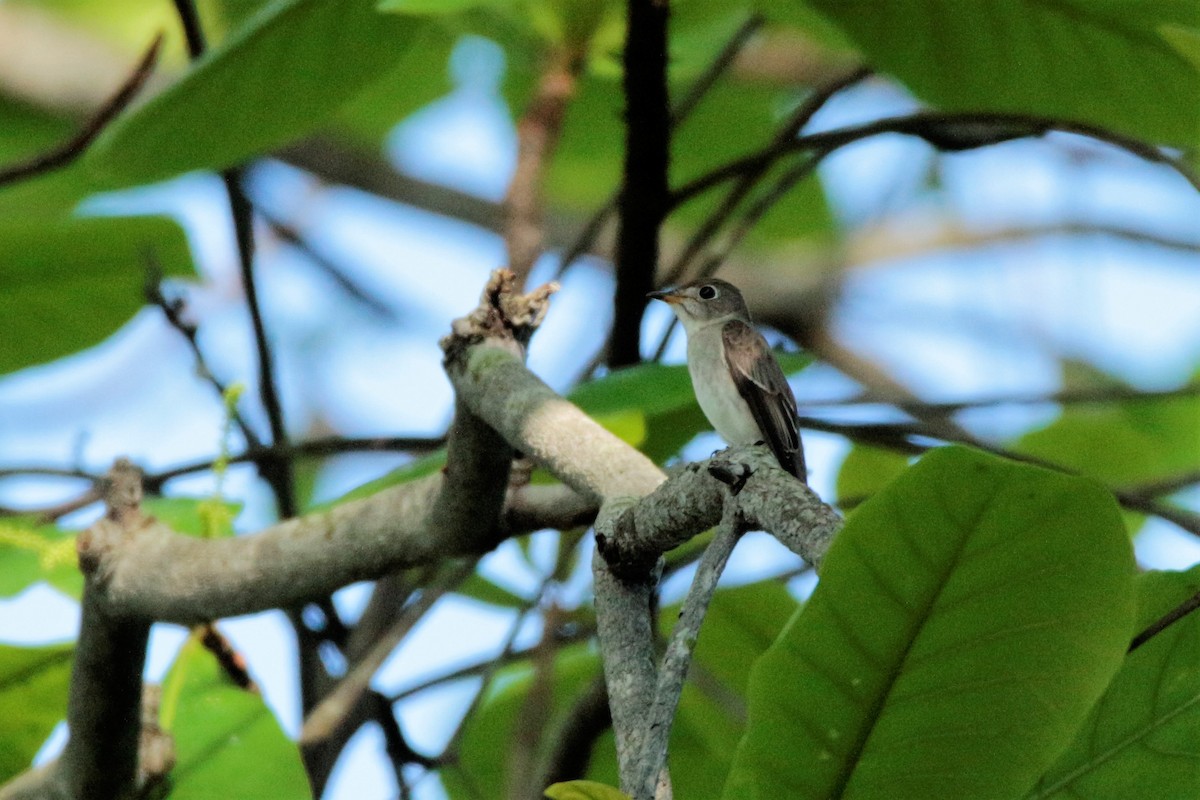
{"x": 644, "y": 191}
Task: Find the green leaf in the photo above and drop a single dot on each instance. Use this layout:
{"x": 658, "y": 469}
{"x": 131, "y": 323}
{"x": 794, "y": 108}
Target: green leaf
{"x": 1058, "y": 58}
{"x": 483, "y": 764}
{"x": 281, "y": 75}
{"x": 25, "y": 132}
{"x": 866, "y": 470}
{"x": 1140, "y": 739}
{"x": 33, "y": 698}
{"x": 1122, "y": 444}
{"x": 584, "y": 790}
{"x": 418, "y": 468}
{"x": 205, "y": 517}
{"x": 70, "y": 283}
{"x": 227, "y": 742}
{"x": 480, "y": 588}
{"x": 30, "y": 553}
{"x": 1184, "y": 40}
{"x": 967, "y": 618}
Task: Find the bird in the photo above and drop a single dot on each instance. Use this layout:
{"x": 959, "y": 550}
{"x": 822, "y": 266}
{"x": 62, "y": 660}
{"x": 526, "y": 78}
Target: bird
{"x": 738, "y": 383}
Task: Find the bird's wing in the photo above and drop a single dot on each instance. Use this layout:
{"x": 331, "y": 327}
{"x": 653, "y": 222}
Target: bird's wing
{"x": 762, "y": 384}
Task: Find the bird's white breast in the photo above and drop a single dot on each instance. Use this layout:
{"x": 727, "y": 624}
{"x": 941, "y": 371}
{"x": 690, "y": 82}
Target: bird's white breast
{"x": 715, "y": 391}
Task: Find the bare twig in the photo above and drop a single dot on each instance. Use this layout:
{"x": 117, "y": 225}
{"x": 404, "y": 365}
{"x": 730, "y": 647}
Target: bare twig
{"x": 680, "y": 112}
{"x": 321, "y": 722}
{"x": 172, "y": 310}
{"x": 289, "y": 234}
{"x": 678, "y": 657}
{"x": 748, "y": 178}
{"x": 538, "y": 132}
{"x": 1165, "y": 621}
{"x": 73, "y": 148}
{"x": 943, "y": 130}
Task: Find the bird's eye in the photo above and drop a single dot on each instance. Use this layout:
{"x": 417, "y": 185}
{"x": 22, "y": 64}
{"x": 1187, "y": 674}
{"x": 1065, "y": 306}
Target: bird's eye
{"x": 708, "y": 292}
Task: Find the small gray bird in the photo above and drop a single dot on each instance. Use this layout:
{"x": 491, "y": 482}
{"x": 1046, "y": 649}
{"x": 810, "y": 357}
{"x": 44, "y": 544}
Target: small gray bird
{"x": 737, "y": 380}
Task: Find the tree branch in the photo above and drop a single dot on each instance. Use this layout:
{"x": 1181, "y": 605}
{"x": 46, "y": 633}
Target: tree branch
{"x": 679, "y": 651}
{"x": 538, "y": 131}
{"x": 951, "y": 132}
{"x": 644, "y": 191}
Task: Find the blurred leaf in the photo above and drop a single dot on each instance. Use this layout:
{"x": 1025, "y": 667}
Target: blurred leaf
{"x": 25, "y": 132}
{"x": 204, "y": 517}
{"x": 281, "y": 75}
{"x": 866, "y": 470}
{"x": 1185, "y": 40}
{"x": 413, "y": 470}
{"x": 740, "y": 625}
{"x": 30, "y": 553}
{"x": 33, "y": 699}
{"x": 1122, "y": 444}
{"x": 482, "y": 767}
{"x": 420, "y": 77}
{"x": 70, "y": 283}
{"x": 1140, "y": 739}
{"x": 480, "y": 588}
{"x": 584, "y": 790}
{"x": 967, "y": 618}
{"x": 227, "y": 742}
{"x": 1042, "y": 57}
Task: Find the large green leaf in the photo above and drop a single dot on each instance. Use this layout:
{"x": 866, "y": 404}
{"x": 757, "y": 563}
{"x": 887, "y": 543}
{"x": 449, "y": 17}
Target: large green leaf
{"x": 33, "y": 698}
{"x": 67, "y": 284}
{"x": 967, "y": 618}
{"x": 1099, "y": 61}
{"x": 279, "y": 76}
{"x": 1141, "y": 738}
{"x": 227, "y": 742}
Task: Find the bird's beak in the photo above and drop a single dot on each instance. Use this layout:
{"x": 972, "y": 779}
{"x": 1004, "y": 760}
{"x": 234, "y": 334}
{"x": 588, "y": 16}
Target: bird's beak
{"x": 671, "y": 296}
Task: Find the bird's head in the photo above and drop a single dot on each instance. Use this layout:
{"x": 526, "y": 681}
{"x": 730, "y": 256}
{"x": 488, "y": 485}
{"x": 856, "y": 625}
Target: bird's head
{"x": 704, "y": 301}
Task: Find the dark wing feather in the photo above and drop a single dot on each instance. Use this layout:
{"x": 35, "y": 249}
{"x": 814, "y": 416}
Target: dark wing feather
{"x": 762, "y": 384}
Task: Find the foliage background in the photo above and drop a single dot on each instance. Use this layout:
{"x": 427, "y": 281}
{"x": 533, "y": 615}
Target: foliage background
{"x": 1048, "y": 279}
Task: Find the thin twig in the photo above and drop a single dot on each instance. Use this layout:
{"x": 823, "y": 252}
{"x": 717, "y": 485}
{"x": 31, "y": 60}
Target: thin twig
{"x": 945, "y": 131}
{"x": 322, "y": 721}
{"x": 1165, "y": 621}
{"x": 65, "y": 153}
{"x": 172, "y": 310}
{"x": 538, "y": 132}
{"x": 678, "y": 657}
{"x": 752, "y": 216}
{"x": 679, "y": 113}
{"x": 291, "y": 235}
{"x": 746, "y": 181}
